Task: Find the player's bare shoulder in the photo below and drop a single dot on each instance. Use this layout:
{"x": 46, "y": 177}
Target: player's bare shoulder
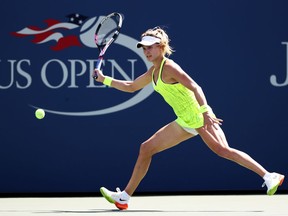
{"x": 172, "y": 68}
{"x": 171, "y": 65}
{"x": 170, "y": 71}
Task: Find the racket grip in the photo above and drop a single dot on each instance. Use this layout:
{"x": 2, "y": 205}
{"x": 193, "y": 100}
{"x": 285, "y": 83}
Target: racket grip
{"x": 99, "y": 63}
{"x": 98, "y": 66}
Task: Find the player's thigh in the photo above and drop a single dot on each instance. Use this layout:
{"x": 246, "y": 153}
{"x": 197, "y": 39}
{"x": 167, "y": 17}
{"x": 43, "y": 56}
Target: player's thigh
{"x": 166, "y": 137}
{"x": 213, "y": 137}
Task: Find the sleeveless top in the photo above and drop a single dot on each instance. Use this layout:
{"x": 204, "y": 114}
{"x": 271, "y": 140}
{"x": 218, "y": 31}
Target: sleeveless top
{"x": 181, "y": 99}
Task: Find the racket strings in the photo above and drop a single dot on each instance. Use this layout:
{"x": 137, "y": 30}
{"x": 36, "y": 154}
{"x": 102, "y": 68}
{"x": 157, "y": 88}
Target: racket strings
{"x": 106, "y": 31}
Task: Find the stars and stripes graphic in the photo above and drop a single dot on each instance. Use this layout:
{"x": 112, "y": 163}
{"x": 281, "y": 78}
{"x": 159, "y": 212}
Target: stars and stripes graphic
{"x": 60, "y": 32}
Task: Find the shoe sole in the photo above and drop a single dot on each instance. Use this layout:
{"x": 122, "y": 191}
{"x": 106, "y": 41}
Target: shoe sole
{"x": 121, "y": 206}
{"x": 109, "y": 199}
{"x": 274, "y": 189}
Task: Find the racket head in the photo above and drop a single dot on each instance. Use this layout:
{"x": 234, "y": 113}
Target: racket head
{"x": 108, "y": 29}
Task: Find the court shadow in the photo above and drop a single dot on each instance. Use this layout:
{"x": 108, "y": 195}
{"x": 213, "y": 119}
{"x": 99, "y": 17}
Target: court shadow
{"x": 95, "y": 211}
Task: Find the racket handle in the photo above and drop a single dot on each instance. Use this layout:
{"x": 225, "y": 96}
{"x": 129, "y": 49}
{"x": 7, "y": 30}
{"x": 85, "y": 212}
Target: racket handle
{"x": 99, "y": 63}
{"x": 98, "y": 66}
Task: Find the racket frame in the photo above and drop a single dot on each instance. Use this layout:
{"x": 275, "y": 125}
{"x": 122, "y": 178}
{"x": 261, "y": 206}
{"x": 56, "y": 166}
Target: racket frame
{"x": 102, "y": 49}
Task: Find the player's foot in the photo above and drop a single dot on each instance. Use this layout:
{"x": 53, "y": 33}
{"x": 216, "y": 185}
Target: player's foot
{"x": 272, "y": 181}
{"x": 120, "y": 199}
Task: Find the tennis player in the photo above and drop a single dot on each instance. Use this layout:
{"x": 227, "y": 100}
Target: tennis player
{"x": 194, "y": 116}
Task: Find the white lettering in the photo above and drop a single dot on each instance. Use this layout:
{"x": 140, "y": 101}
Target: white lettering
{"x": 73, "y": 71}
{"x": 12, "y": 62}
{"x": 115, "y": 65}
{"x": 273, "y": 78}
{"x": 23, "y": 74}
{"x": 56, "y": 73}
{"x": 64, "y": 71}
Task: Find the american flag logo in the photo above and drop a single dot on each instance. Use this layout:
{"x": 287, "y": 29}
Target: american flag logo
{"x": 60, "y": 32}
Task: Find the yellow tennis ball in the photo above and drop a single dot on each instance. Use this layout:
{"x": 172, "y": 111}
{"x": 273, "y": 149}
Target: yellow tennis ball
{"x": 40, "y": 113}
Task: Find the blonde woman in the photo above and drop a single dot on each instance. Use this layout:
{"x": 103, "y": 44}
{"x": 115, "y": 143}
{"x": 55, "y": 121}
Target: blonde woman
{"x": 194, "y": 116}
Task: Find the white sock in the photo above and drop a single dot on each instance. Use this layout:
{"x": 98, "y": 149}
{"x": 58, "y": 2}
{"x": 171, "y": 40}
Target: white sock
{"x": 266, "y": 176}
{"x": 125, "y": 196}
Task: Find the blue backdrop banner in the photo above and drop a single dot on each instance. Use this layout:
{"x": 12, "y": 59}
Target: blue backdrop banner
{"x": 90, "y": 137}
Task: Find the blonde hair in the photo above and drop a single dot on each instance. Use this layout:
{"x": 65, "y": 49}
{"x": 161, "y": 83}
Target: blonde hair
{"x": 164, "y": 39}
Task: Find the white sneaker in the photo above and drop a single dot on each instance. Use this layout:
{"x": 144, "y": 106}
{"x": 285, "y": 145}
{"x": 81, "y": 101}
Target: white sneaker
{"x": 118, "y": 198}
{"x": 272, "y": 181}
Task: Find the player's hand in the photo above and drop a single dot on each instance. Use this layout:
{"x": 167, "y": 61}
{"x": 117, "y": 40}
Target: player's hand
{"x": 210, "y": 120}
{"x": 99, "y": 74}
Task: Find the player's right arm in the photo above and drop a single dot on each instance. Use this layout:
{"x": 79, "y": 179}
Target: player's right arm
{"x": 125, "y": 85}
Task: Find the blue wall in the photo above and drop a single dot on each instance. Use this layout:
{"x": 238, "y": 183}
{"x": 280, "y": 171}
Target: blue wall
{"x": 233, "y": 49}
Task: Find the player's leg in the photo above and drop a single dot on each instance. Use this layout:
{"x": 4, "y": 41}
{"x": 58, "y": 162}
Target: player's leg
{"x": 215, "y": 139}
{"x": 167, "y": 137}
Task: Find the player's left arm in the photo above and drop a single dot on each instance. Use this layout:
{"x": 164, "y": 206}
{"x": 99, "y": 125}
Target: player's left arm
{"x": 125, "y": 85}
{"x": 177, "y": 74}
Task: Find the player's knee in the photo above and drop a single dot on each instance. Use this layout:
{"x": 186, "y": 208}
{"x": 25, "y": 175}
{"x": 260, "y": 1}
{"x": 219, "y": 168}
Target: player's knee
{"x": 222, "y": 151}
{"x": 146, "y": 149}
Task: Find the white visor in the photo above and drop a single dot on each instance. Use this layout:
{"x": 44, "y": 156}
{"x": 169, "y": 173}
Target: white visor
{"x": 148, "y": 41}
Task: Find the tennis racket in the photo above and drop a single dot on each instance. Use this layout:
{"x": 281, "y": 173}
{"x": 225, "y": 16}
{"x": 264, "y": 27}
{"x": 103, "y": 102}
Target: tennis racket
{"x": 105, "y": 34}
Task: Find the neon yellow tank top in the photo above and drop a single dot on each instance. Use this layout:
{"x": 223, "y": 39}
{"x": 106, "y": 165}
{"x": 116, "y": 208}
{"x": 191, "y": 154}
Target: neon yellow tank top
{"x": 181, "y": 99}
